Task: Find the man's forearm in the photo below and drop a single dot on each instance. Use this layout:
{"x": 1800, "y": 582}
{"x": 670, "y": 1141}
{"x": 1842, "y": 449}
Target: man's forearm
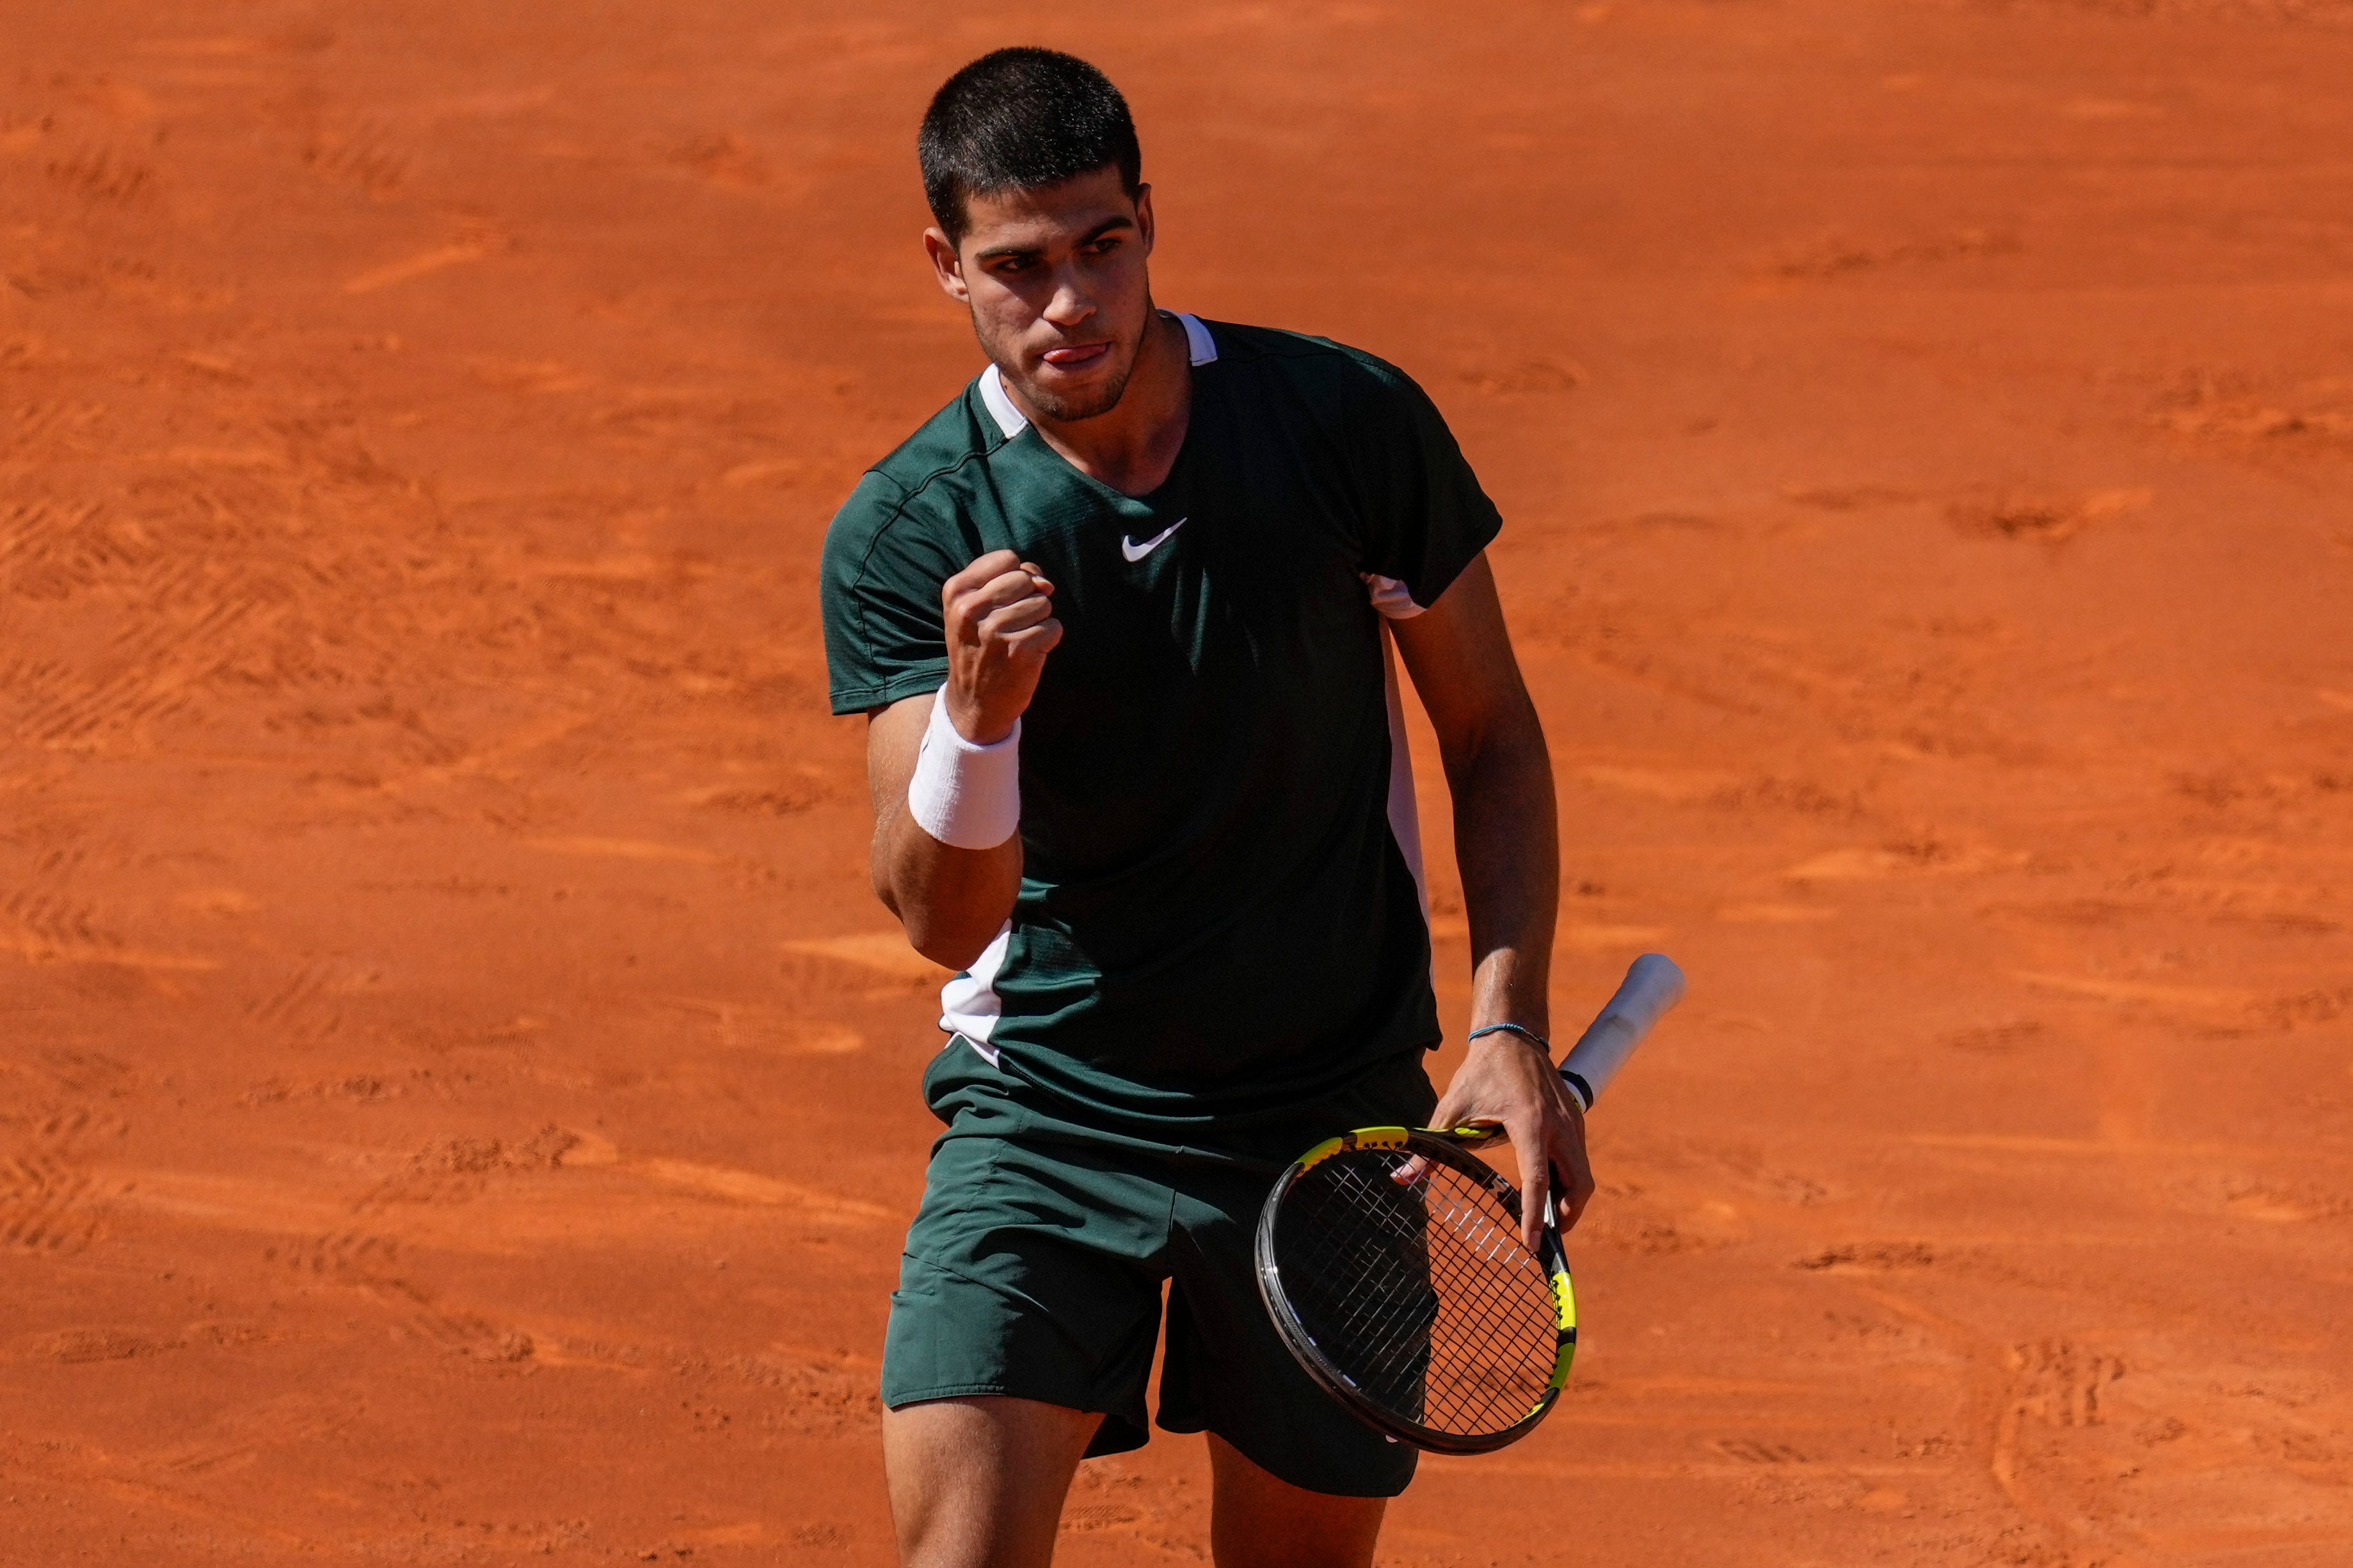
{"x": 1507, "y": 846}
{"x": 1506, "y": 842}
{"x": 953, "y": 901}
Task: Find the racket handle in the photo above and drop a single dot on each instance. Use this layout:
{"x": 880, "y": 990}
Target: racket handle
{"x": 1653, "y": 985}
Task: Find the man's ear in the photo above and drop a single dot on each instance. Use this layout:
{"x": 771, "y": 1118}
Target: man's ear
{"x": 1144, "y": 226}
{"x": 946, "y": 266}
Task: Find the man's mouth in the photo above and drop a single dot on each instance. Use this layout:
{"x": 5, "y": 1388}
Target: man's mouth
{"x": 1080, "y": 356}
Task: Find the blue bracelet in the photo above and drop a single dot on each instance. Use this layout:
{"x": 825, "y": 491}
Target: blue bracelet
{"x": 1520, "y": 1029}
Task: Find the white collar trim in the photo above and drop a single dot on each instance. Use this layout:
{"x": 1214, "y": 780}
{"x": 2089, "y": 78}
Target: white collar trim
{"x": 1009, "y": 419}
{"x": 1198, "y": 345}
{"x": 1200, "y": 349}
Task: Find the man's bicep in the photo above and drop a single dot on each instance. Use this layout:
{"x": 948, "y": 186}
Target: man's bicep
{"x": 894, "y": 738}
{"x": 1459, "y": 653}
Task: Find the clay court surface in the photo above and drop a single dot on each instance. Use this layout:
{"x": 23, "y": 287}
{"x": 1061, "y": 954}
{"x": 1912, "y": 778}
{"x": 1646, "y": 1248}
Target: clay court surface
{"x": 458, "y": 1096}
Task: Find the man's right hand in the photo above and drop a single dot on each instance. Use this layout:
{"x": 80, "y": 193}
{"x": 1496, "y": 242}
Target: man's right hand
{"x": 1001, "y": 627}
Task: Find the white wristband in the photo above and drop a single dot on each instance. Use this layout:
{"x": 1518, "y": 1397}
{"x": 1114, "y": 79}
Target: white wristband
{"x": 965, "y": 794}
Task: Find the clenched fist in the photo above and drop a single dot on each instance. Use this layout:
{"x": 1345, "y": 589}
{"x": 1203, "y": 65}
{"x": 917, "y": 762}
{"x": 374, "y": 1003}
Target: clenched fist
{"x": 1001, "y": 626}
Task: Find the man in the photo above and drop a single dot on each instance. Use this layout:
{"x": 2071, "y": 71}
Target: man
{"x": 1115, "y": 615}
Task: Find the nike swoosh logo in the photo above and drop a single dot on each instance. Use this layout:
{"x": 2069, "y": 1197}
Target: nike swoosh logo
{"x": 1135, "y": 552}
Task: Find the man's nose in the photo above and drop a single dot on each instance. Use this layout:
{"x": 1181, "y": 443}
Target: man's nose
{"x": 1071, "y": 303}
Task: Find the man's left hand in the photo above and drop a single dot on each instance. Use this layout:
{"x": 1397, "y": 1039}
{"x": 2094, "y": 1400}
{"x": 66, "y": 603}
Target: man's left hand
{"x": 1507, "y": 1082}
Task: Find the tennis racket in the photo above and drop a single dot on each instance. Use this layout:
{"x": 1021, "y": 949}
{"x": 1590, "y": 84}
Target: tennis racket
{"x": 1390, "y": 1260}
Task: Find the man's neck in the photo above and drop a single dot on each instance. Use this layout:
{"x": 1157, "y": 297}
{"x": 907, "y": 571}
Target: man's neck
{"x": 1132, "y": 446}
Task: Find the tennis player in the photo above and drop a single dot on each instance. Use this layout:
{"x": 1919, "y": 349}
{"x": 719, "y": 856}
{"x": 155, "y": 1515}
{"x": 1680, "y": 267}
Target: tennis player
{"x": 1116, "y": 616}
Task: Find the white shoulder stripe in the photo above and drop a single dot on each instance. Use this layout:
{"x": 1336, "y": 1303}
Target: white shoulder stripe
{"x": 1405, "y": 819}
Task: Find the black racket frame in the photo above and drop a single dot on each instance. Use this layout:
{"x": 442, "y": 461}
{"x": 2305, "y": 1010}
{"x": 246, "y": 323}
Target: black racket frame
{"x": 1449, "y": 1147}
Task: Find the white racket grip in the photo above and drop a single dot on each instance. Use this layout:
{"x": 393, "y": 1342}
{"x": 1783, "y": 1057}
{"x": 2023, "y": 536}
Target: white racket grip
{"x": 1653, "y": 985}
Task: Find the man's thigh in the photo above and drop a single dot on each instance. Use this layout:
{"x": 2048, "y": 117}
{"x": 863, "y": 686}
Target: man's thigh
{"x": 979, "y": 1483}
{"x": 1260, "y": 1521}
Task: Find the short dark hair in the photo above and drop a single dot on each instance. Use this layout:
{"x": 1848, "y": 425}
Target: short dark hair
{"x": 1021, "y": 118}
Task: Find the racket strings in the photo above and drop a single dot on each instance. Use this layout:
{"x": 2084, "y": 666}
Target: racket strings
{"x": 1421, "y": 1295}
{"x": 1429, "y": 1333}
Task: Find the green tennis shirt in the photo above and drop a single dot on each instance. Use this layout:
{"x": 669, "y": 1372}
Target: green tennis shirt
{"x": 1221, "y": 914}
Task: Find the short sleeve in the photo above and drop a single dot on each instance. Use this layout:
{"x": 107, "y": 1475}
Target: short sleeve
{"x": 1425, "y": 516}
{"x": 885, "y": 637}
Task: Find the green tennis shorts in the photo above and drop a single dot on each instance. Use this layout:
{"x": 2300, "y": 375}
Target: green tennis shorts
{"x": 1035, "y": 1268}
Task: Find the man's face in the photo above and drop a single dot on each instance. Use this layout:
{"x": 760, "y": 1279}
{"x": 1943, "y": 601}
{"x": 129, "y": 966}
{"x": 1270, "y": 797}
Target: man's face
{"x": 1056, "y": 284}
